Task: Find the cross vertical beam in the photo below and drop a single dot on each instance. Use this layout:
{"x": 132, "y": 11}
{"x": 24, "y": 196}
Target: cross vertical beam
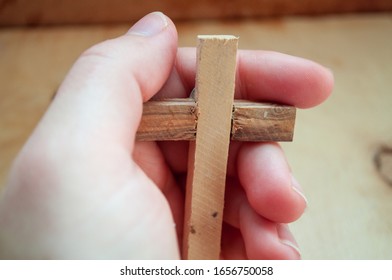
{"x": 215, "y": 83}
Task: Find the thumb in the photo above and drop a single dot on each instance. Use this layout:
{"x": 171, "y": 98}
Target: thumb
{"x": 74, "y": 177}
{"x": 100, "y": 100}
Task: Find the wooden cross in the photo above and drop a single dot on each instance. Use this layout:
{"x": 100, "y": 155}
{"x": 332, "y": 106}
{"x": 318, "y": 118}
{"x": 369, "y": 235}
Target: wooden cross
{"x": 212, "y": 118}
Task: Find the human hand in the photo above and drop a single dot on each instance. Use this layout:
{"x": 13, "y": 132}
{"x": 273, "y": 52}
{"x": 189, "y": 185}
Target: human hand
{"x": 81, "y": 187}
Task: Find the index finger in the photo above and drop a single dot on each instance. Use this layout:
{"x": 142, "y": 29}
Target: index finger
{"x": 261, "y": 76}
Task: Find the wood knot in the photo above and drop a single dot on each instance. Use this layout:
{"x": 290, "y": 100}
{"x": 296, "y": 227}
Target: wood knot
{"x": 383, "y": 163}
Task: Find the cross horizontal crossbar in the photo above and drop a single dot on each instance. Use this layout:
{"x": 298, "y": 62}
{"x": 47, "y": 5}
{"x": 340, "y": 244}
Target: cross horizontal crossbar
{"x": 176, "y": 119}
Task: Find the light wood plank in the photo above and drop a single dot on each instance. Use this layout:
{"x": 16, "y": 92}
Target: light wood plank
{"x": 175, "y": 119}
{"x": 215, "y": 79}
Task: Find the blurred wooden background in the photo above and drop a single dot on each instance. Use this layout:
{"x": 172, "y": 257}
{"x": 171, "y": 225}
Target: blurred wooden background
{"x": 38, "y": 12}
{"x": 342, "y": 150}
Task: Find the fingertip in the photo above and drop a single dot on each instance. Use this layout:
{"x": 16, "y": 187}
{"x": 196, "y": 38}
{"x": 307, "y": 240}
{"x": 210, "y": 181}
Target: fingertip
{"x": 277, "y": 77}
{"x": 150, "y": 25}
{"x": 265, "y": 239}
{"x": 268, "y": 182}
{"x": 155, "y": 30}
{"x": 329, "y": 82}
{"x": 319, "y": 87}
{"x": 287, "y": 238}
{"x": 310, "y": 83}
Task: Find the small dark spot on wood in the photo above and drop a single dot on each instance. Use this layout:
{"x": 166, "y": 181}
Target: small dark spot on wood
{"x": 383, "y": 163}
{"x": 193, "y": 231}
{"x": 215, "y": 214}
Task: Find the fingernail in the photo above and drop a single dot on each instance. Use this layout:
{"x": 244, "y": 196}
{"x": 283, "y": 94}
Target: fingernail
{"x": 287, "y": 238}
{"x": 297, "y": 188}
{"x": 149, "y": 25}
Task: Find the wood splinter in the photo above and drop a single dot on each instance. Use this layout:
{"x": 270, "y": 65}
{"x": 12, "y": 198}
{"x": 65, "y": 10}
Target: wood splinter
{"x": 212, "y": 119}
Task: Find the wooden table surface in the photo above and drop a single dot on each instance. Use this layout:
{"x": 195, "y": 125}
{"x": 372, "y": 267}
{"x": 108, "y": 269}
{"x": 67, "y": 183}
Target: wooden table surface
{"x": 335, "y": 145}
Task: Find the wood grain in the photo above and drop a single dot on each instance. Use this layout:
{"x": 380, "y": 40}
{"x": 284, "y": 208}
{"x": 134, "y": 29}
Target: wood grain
{"x": 22, "y": 12}
{"x": 215, "y": 79}
{"x": 262, "y": 122}
{"x": 175, "y": 119}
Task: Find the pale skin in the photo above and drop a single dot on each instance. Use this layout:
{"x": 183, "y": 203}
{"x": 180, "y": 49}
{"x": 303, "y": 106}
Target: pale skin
{"x": 81, "y": 187}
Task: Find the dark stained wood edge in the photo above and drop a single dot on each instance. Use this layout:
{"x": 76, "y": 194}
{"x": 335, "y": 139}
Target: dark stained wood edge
{"x": 44, "y": 12}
